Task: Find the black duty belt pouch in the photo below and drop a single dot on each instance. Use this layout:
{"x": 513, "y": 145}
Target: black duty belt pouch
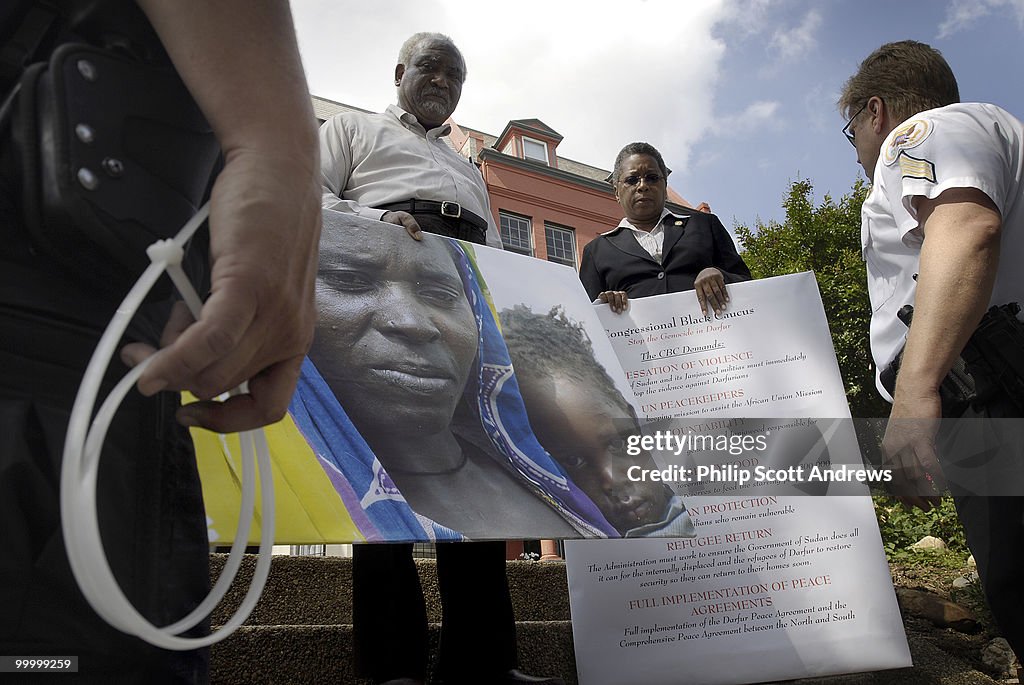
{"x": 114, "y": 155}
{"x": 995, "y": 354}
{"x": 991, "y": 363}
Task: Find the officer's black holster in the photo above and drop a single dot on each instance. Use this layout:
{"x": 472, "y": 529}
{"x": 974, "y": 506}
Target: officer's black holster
{"x": 114, "y": 155}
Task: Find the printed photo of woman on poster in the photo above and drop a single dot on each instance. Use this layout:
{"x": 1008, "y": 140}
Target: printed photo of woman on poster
{"x": 409, "y": 400}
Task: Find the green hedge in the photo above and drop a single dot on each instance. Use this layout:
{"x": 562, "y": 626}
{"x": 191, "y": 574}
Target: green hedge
{"x": 901, "y": 528}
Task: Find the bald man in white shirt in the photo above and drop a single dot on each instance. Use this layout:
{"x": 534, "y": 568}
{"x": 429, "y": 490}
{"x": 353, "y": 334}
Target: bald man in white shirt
{"x": 395, "y": 167}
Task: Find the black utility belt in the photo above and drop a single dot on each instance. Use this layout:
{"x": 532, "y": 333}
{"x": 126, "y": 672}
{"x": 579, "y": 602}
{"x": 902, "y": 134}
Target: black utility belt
{"x": 449, "y": 210}
{"x": 991, "y": 364}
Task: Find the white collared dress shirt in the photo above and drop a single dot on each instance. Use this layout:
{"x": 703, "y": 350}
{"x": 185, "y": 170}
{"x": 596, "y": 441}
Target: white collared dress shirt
{"x": 652, "y": 241}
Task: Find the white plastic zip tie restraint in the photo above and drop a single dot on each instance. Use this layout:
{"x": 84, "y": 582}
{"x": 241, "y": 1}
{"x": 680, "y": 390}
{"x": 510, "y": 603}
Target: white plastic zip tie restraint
{"x": 81, "y": 463}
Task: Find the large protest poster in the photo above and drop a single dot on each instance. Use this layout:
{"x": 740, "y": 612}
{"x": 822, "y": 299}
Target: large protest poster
{"x": 416, "y": 419}
{"x": 773, "y": 585}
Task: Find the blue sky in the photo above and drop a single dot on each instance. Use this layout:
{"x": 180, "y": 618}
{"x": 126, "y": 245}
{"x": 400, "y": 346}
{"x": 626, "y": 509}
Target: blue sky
{"x": 738, "y": 96}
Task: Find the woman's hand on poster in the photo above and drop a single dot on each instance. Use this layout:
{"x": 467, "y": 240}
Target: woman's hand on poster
{"x": 710, "y": 288}
{"x": 616, "y": 299}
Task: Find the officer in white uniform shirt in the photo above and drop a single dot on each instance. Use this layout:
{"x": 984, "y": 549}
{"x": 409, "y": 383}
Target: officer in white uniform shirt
{"x": 953, "y": 147}
{"x": 943, "y": 230}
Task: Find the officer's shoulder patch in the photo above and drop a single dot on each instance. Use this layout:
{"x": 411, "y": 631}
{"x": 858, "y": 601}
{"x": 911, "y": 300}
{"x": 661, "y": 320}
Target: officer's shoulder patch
{"x": 916, "y": 167}
{"x": 906, "y": 137}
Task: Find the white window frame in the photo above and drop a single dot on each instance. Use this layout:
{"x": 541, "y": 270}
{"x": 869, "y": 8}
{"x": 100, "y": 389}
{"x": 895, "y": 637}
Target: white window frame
{"x": 554, "y": 229}
{"x": 544, "y": 145}
{"x": 511, "y": 247}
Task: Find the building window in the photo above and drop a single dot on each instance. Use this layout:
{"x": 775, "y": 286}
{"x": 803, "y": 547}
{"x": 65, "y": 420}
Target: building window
{"x": 535, "y": 150}
{"x": 308, "y": 550}
{"x": 561, "y": 242}
{"x": 516, "y": 233}
{"x": 424, "y": 550}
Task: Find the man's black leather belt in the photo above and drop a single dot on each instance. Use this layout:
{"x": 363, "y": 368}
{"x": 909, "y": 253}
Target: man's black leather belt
{"x": 451, "y": 210}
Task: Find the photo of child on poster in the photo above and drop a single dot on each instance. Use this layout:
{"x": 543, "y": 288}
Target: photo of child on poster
{"x": 584, "y": 422}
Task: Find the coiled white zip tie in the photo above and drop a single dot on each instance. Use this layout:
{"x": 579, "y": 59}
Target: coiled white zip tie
{"x": 82, "y": 448}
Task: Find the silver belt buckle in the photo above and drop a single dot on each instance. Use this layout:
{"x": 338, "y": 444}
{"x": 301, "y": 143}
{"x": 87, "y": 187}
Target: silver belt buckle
{"x": 451, "y": 209}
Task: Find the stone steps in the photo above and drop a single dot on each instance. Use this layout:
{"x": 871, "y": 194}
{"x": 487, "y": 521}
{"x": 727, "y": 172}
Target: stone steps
{"x": 323, "y": 654}
{"x": 318, "y": 590}
{"x": 300, "y": 631}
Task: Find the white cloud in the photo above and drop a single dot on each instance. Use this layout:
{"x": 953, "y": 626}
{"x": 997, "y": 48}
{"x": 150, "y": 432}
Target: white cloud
{"x": 755, "y": 117}
{"x": 793, "y": 43}
{"x": 961, "y": 14}
{"x": 748, "y": 17}
{"x": 601, "y": 73}
{"x": 786, "y": 37}
{"x": 706, "y": 158}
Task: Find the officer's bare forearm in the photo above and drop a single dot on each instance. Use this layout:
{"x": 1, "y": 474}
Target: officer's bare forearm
{"x": 219, "y": 49}
{"x": 957, "y": 271}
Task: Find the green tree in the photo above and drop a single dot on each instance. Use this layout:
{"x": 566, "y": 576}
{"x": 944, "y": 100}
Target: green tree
{"x": 825, "y": 239}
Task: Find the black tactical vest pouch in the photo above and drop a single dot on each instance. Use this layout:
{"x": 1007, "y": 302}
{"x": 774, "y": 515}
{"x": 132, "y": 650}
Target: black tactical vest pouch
{"x": 114, "y": 155}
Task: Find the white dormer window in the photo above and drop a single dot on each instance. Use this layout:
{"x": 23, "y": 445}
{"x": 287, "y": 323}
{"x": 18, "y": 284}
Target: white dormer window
{"x": 535, "y": 150}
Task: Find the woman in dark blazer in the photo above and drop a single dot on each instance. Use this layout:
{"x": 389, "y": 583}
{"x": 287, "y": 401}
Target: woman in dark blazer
{"x": 653, "y": 251}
